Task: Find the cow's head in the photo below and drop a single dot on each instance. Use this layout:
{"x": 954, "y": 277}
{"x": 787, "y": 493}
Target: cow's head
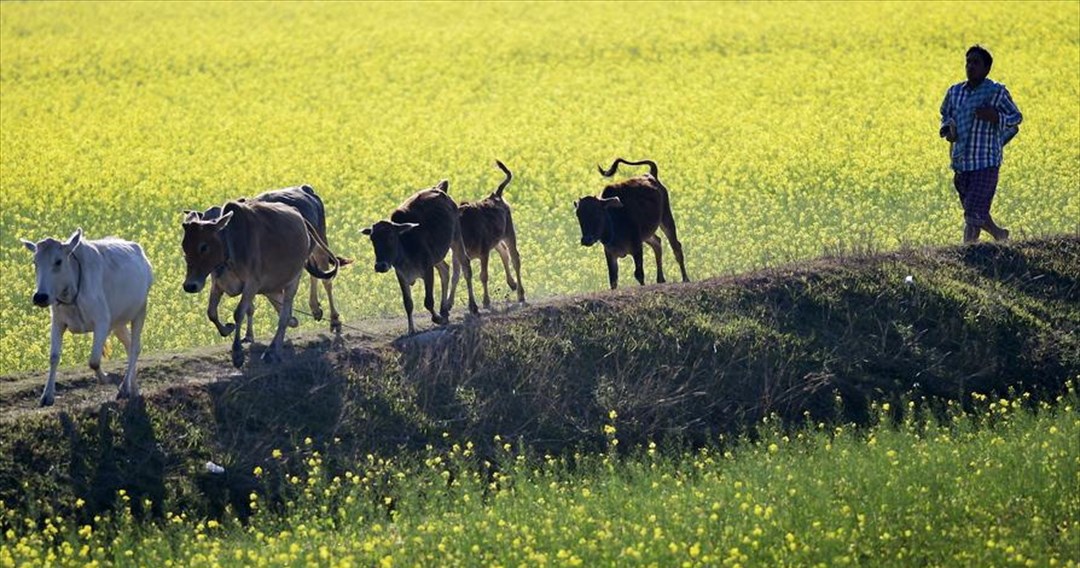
{"x": 592, "y": 216}
{"x": 204, "y": 250}
{"x": 386, "y": 238}
{"x": 57, "y": 270}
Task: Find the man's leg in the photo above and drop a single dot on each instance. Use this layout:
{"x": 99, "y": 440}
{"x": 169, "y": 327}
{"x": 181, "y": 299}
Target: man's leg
{"x": 978, "y": 194}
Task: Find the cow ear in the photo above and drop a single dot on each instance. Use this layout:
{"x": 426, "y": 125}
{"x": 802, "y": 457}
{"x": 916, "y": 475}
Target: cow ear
{"x": 73, "y": 241}
{"x": 366, "y": 231}
{"x": 29, "y": 245}
{"x": 443, "y": 186}
{"x": 576, "y": 202}
{"x": 405, "y": 227}
{"x": 222, "y": 221}
{"x": 191, "y": 216}
{"x": 612, "y": 202}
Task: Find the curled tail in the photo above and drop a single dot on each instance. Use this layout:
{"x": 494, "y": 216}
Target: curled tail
{"x": 506, "y": 182}
{"x": 615, "y": 165}
{"x": 311, "y": 267}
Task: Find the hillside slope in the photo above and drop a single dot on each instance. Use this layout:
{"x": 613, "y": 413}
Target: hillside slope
{"x": 682, "y": 362}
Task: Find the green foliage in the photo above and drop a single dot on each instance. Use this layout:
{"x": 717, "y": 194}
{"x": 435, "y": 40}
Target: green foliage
{"x": 782, "y": 130}
{"x": 997, "y": 485}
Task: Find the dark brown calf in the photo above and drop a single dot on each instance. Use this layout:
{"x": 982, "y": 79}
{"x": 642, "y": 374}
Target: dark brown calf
{"x": 414, "y": 242}
{"x": 626, "y": 215}
{"x": 487, "y": 224}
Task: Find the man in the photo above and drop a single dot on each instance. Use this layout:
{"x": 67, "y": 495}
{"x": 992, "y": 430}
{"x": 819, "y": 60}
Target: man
{"x": 978, "y": 117}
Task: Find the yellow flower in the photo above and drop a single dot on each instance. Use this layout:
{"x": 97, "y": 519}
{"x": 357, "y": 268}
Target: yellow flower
{"x": 276, "y": 453}
{"x": 258, "y": 471}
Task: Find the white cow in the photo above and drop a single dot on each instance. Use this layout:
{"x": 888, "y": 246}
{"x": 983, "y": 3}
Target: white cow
{"x": 93, "y": 286}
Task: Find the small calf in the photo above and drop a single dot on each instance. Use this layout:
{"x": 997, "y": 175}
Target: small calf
{"x": 626, "y": 215}
{"x": 414, "y": 242}
{"x": 487, "y": 224}
{"x": 98, "y": 286}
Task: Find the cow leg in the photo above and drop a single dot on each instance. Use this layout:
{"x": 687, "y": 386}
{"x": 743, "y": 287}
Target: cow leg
{"x": 121, "y": 332}
{"x": 276, "y": 300}
{"x": 458, "y": 245}
{"x": 654, "y": 242}
{"x": 56, "y": 337}
{"x": 449, "y": 286}
{"x": 406, "y": 300}
{"x": 242, "y": 309}
{"x": 484, "y": 277}
{"x": 612, "y": 269}
{"x": 129, "y": 388}
{"x": 335, "y": 317}
{"x": 212, "y": 312}
{"x": 101, "y": 333}
{"x": 249, "y": 337}
{"x": 313, "y": 300}
{"x": 667, "y": 224}
{"x": 639, "y": 261}
{"x": 276, "y": 350}
{"x": 429, "y": 296}
{"x": 509, "y": 246}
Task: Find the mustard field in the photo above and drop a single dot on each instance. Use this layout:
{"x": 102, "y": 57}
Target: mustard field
{"x": 783, "y": 131}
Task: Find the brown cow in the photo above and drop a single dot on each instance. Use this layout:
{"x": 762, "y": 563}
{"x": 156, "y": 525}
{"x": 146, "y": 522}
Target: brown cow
{"x": 414, "y": 242}
{"x": 487, "y": 224}
{"x": 253, "y": 248}
{"x": 626, "y": 215}
{"x": 304, "y": 200}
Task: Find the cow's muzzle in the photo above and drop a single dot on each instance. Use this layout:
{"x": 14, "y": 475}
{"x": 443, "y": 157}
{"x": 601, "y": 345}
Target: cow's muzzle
{"x": 193, "y": 286}
{"x": 588, "y": 241}
{"x": 41, "y": 300}
{"x": 382, "y": 267}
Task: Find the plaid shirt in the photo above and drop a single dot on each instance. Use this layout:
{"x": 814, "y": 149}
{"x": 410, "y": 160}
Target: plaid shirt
{"x": 978, "y": 142}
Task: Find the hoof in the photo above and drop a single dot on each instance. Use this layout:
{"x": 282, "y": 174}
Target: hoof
{"x": 473, "y": 308}
{"x": 238, "y": 358}
{"x": 512, "y": 285}
{"x": 335, "y": 325}
{"x": 293, "y": 322}
{"x": 247, "y": 339}
{"x": 46, "y": 400}
{"x": 441, "y": 319}
{"x": 227, "y": 330}
{"x": 270, "y": 356}
{"x": 317, "y": 313}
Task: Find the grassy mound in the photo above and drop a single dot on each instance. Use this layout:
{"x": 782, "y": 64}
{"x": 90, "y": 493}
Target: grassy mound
{"x": 678, "y": 363}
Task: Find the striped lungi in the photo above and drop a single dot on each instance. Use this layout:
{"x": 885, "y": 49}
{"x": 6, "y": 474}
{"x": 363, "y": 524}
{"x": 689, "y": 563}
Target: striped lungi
{"x": 976, "y": 189}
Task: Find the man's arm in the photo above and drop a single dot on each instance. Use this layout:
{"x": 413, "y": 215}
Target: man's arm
{"x": 947, "y": 130}
{"x": 1001, "y": 110}
{"x": 1007, "y": 110}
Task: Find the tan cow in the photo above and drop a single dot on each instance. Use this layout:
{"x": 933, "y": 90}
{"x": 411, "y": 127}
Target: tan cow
{"x": 414, "y": 242}
{"x": 253, "y": 248}
{"x": 307, "y": 202}
{"x": 488, "y": 224}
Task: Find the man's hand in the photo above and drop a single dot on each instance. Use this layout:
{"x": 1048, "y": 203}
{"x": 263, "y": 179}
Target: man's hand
{"x": 987, "y": 113}
{"x": 948, "y": 132}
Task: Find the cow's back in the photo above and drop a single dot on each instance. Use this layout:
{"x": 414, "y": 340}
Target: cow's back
{"x": 437, "y": 215}
{"x": 120, "y": 270}
{"x": 643, "y": 200}
{"x": 304, "y": 200}
{"x": 483, "y": 225}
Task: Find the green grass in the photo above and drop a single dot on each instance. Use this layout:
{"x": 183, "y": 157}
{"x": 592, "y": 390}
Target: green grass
{"x": 993, "y": 487}
{"x": 782, "y": 130}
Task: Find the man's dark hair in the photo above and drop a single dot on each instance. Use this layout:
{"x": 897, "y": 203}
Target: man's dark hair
{"x": 983, "y": 53}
